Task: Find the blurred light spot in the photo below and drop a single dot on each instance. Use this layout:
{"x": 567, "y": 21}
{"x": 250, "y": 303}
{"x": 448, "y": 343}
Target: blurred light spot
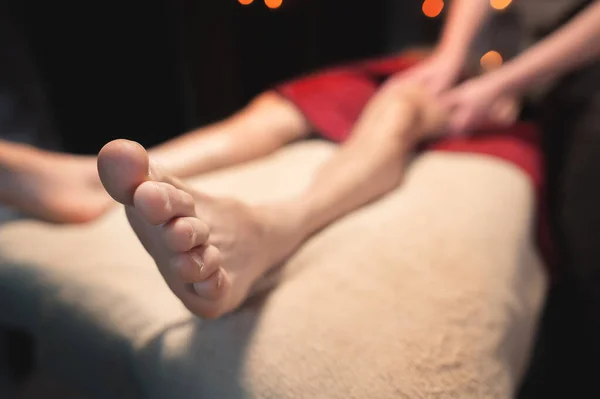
{"x": 491, "y": 60}
{"x": 432, "y": 8}
{"x": 273, "y": 3}
{"x": 245, "y": 2}
{"x": 500, "y": 4}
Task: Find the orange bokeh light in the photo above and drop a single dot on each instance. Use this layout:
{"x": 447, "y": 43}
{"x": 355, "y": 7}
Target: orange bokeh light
{"x": 500, "y": 4}
{"x": 491, "y": 60}
{"x": 245, "y": 2}
{"x": 273, "y": 3}
{"x": 432, "y": 8}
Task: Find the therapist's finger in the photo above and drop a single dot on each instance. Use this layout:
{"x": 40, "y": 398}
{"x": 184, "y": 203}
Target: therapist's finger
{"x": 460, "y": 122}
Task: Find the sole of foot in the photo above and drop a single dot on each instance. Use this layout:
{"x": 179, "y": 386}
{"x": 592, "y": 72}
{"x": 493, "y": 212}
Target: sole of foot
{"x": 210, "y": 251}
{"x": 55, "y": 187}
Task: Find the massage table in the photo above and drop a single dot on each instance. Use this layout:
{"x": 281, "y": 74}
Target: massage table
{"x": 433, "y": 291}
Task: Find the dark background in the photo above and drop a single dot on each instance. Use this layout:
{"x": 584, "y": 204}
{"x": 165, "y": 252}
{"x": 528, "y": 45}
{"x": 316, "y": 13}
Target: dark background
{"x": 151, "y": 71}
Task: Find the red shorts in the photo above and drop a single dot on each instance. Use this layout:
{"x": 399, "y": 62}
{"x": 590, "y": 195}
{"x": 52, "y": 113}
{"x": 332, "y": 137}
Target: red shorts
{"x": 333, "y": 99}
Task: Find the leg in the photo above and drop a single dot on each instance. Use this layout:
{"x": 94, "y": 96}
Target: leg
{"x": 371, "y": 162}
{"x": 266, "y": 124}
{"x": 65, "y": 188}
{"x": 211, "y": 250}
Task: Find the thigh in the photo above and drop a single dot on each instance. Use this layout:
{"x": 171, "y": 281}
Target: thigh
{"x": 333, "y": 99}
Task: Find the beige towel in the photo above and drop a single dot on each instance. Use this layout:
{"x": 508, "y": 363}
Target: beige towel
{"x": 432, "y": 292}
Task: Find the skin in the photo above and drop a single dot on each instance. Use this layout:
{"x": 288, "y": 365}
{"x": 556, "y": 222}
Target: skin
{"x": 479, "y": 100}
{"x": 212, "y": 250}
{"x": 64, "y": 188}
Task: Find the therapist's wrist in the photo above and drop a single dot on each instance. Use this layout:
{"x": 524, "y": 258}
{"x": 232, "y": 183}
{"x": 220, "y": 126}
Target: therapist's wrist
{"x": 451, "y": 59}
{"x": 507, "y": 82}
{"x": 455, "y": 52}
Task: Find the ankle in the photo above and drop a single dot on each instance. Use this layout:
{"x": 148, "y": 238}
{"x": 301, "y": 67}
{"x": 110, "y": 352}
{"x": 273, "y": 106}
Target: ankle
{"x": 291, "y": 217}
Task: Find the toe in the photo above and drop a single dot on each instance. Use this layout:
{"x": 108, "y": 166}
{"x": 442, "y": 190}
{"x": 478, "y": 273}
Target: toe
{"x": 159, "y": 202}
{"x": 208, "y": 299}
{"x": 185, "y": 233}
{"x": 198, "y": 264}
{"x": 123, "y": 165}
{"x": 214, "y": 287}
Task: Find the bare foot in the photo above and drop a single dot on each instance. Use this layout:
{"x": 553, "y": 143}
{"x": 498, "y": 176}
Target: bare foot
{"x": 210, "y": 251}
{"x": 55, "y": 187}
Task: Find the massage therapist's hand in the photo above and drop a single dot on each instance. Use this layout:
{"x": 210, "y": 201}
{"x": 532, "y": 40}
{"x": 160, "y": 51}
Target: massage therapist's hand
{"x": 437, "y": 73}
{"x": 479, "y": 102}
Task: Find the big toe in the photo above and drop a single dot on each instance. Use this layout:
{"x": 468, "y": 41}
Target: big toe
{"x": 123, "y": 165}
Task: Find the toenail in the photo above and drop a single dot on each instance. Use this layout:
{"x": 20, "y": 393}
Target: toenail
{"x": 197, "y": 260}
{"x": 192, "y": 231}
{"x": 151, "y": 163}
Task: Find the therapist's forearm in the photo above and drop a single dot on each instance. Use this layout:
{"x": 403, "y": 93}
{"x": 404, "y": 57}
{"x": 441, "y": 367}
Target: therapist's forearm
{"x": 572, "y": 46}
{"x": 464, "y": 21}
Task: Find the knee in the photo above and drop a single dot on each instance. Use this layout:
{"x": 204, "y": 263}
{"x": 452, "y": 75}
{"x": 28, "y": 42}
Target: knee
{"x": 268, "y": 99}
{"x": 285, "y": 120}
{"x": 408, "y": 115}
{"x": 393, "y": 121}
